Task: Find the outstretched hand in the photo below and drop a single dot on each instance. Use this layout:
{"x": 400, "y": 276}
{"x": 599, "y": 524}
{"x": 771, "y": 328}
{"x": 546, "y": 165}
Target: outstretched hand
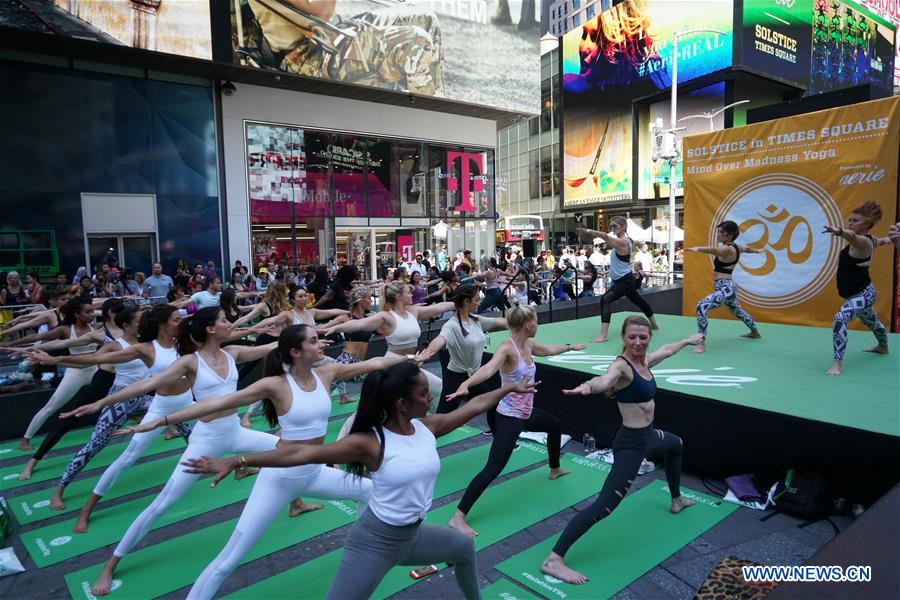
{"x": 41, "y": 357}
{"x": 85, "y": 409}
{"x": 462, "y": 390}
{"x": 525, "y": 388}
{"x": 577, "y": 346}
{"x": 582, "y": 390}
{"x": 220, "y": 468}
{"x": 894, "y": 235}
{"x": 141, "y": 428}
{"x": 695, "y": 339}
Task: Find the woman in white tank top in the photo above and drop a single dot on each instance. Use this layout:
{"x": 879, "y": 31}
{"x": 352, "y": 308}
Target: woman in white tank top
{"x": 77, "y": 316}
{"x": 299, "y": 314}
{"x": 157, "y": 350}
{"x": 399, "y": 322}
{"x": 395, "y": 442}
{"x": 211, "y": 371}
{"x": 295, "y": 396}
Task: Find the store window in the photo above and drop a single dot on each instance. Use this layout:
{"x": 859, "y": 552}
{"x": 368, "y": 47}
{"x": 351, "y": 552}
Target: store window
{"x": 546, "y": 105}
{"x": 410, "y": 182}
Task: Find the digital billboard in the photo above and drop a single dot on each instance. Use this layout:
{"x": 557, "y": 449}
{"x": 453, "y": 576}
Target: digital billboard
{"x": 172, "y": 26}
{"x": 623, "y": 54}
{"x": 476, "y": 51}
{"x": 821, "y": 45}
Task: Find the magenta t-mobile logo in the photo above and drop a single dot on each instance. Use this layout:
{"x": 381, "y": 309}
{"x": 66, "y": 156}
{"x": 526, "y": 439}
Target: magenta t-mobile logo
{"x": 453, "y": 183}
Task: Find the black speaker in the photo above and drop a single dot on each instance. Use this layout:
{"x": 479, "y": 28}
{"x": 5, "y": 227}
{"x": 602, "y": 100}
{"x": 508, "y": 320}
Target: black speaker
{"x": 528, "y": 248}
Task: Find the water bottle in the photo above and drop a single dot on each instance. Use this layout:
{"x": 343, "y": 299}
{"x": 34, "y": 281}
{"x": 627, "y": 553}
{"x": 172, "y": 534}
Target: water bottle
{"x": 589, "y": 443}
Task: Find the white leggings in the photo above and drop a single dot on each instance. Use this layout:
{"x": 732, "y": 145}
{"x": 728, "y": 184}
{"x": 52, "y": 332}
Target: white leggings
{"x": 272, "y": 491}
{"x": 434, "y": 382}
{"x": 214, "y": 439}
{"x": 159, "y": 407}
{"x": 72, "y": 381}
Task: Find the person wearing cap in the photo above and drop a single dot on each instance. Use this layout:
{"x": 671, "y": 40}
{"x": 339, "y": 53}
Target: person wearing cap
{"x": 263, "y": 280}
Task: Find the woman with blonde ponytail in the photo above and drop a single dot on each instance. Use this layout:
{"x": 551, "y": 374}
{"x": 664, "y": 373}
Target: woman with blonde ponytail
{"x": 399, "y": 322}
{"x": 294, "y": 392}
{"x": 514, "y": 359}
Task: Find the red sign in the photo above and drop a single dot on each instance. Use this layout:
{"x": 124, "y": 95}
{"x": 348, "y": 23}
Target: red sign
{"x": 405, "y": 245}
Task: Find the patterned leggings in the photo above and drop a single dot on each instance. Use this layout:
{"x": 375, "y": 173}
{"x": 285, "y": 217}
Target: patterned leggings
{"x": 111, "y": 418}
{"x": 726, "y": 293}
{"x": 858, "y": 305}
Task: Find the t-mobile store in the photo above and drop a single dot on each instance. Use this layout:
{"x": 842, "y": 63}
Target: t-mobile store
{"x": 312, "y": 177}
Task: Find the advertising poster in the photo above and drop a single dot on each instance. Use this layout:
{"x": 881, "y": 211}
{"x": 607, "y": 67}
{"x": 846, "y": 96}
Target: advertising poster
{"x": 476, "y": 51}
{"x": 782, "y": 181}
{"x": 819, "y": 44}
{"x": 623, "y": 54}
{"x": 173, "y": 26}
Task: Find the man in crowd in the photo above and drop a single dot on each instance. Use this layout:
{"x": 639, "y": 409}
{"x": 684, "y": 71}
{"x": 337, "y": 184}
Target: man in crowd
{"x": 157, "y": 286}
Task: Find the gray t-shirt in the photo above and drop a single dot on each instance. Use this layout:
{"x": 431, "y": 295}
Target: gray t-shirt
{"x": 158, "y": 288}
{"x": 466, "y": 351}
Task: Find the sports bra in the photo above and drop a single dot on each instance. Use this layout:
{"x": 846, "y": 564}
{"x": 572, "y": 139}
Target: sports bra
{"x": 361, "y": 336}
{"x": 208, "y": 384}
{"x": 163, "y": 358}
{"x": 86, "y": 349}
{"x": 406, "y": 332}
{"x": 131, "y": 371}
{"x": 307, "y": 418}
{"x": 639, "y": 390}
{"x": 515, "y": 404}
{"x": 299, "y": 321}
{"x": 720, "y": 266}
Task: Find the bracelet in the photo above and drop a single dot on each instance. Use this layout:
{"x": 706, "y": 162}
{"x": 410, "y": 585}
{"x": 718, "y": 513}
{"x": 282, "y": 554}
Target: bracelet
{"x": 568, "y": 347}
{"x": 166, "y": 420}
{"x": 243, "y": 463}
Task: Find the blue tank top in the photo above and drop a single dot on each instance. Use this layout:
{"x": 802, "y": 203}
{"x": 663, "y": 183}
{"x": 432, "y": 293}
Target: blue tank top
{"x": 639, "y": 390}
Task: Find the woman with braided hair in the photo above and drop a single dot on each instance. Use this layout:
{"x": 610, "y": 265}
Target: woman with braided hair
{"x": 853, "y": 282}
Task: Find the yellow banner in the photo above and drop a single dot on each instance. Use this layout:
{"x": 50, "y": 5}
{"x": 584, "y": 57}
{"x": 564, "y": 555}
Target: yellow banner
{"x": 782, "y": 181}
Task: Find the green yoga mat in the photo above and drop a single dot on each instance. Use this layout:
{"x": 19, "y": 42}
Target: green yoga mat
{"x": 639, "y": 535}
{"x": 206, "y": 543}
{"x": 503, "y": 589}
{"x": 76, "y": 437}
{"x": 52, "y": 468}
{"x": 503, "y": 510}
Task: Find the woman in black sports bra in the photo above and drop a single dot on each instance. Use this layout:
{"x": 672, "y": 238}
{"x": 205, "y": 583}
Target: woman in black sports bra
{"x": 853, "y": 282}
{"x": 727, "y": 254}
{"x": 631, "y": 383}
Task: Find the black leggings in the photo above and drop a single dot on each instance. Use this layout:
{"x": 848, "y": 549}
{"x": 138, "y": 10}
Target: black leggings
{"x": 97, "y": 389}
{"x": 451, "y": 381}
{"x": 506, "y": 433}
{"x": 492, "y": 298}
{"x": 630, "y": 447}
{"x": 623, "y": 286}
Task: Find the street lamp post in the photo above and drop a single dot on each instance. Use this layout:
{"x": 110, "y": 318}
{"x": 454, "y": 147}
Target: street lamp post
{"x": 674, "y": 159}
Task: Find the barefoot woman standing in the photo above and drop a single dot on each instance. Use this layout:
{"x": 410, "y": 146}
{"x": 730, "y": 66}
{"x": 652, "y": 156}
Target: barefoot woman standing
{"x": 727, "y": 254}
{"x": 632, "y": 384}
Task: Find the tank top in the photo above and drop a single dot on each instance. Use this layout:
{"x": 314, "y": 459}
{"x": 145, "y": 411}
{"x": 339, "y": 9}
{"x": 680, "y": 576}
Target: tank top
{"x": 620, "y": 264}
{"x": 639, "y": 390}
{"x": 403, "y": 486}
{"x": 406, "y": 332}
{"x": 208, "y": 384}
{"x": 515, "y": 404}
{"x": 307, "y": 418}
{"x": 720, "y": 266}
{"x": 163, "y": 358}
{"x": 490, "y": 284}
{"x": 86, "y": 349}
{"x": 298, "y": 320}
{"x": 853, "y": 273}
{"x": 131, "y": 371}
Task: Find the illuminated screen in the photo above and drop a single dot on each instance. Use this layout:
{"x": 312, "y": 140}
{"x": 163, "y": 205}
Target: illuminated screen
{"x": 172, "y": 26}
{"x": 476, "y": 51}
{"x": 623, "y": 54}
{"x": 820, "y": 44}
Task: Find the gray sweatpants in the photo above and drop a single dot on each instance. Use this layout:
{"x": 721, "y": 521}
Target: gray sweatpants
{"x": 373, "y": 547}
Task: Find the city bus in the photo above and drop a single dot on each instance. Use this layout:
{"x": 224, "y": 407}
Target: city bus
{"x": 516, "y": 228}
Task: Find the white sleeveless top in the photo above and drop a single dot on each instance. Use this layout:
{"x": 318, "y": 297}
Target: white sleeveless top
{"x": 620, "y": 267}
{"x": 307, "y": 418}
{"x": 86, "y": 349}
{"x": 208, "y": 384}
{"x": 163, "y": 358}
{"x": 299, "y": 321}
{"x": 131, "y": 371}
{"x": 403, "y": 486}
{"x": 406, "y": 332}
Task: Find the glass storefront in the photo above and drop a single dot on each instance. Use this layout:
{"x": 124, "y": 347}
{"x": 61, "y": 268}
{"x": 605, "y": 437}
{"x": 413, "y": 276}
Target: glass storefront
{"x": 315, "y": 195}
